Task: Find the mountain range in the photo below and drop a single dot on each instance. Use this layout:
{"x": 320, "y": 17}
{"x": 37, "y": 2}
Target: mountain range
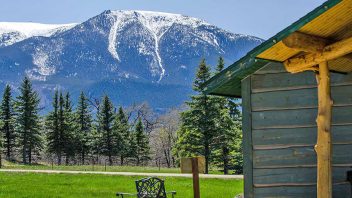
{"x": 133, "y": 56}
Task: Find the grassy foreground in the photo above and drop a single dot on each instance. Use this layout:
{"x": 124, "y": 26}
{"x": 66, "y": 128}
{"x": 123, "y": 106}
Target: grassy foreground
{"x": 67, "y": 185}
{"x": 136, "y": 169}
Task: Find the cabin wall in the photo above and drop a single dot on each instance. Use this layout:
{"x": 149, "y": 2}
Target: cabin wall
{"x": 280, "y": 110}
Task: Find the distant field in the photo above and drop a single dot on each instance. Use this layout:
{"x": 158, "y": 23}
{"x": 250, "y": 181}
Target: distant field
{"x": 40, "y": 185}
{"x": 136, "y": 169}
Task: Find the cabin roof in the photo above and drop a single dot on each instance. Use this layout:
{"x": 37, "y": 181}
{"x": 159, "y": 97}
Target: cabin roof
{"x": 331, "y": 21}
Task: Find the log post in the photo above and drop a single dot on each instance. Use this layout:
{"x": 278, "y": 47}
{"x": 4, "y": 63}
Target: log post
{"x": 323, "y": 147}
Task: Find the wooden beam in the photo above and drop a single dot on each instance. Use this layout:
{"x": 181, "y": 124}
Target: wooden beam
{"x": 323, "y": 147}
{"x": 309, "y": 61}
{"x": 305, "y": 42}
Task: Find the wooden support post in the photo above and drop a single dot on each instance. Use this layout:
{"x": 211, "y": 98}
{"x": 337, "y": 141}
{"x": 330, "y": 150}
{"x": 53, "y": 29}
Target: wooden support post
{"x": 323, "y": 147}
{"x": 195, "y": 172}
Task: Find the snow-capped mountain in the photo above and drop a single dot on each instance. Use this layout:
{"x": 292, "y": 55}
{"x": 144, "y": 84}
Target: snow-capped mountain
{"x": 133, "y": 56}
{"x": 11, "y": 33}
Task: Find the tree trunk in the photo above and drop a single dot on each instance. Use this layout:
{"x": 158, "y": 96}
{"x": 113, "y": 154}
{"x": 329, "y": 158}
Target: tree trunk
{"x": 173, "y": 162}
{"x": 323, "y": 147}
{"x": 24, "y": 148}
{"x": 30, "y": 156}
{"x": 167, "y": 158}
{"x": 83, "y": 156}
{"x": 8, "y": 146}
{"x": 0, "y": 159}
{"x": 67, "y": 160}
{"x": 24, "y": 159}
{"x": 110, "y": 159}
{"x": 59, "y": 158}
{"x": 226, "y": 160}
{"x": 121, "y": 160}
{"x": 207, "y": 153}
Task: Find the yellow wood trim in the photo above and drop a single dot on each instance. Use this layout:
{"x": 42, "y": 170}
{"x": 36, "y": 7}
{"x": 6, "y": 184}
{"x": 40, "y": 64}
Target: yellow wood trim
{"x": 323, "y": 147}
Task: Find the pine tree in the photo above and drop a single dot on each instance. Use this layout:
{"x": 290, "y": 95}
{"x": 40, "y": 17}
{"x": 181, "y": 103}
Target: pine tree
{"x": 142, "y": 143}
{"x": 221, "y": 65}
{"x": 132, "y": 151}
{"x": 105, "y": 122}
{"x": 121, "y": 128}
{"x": 61, "y": 123}
{"x": 53, "y": 134}
{"x": 68, "y": 129}
{"x": 84, "y": 127}
{"x": 7, "y": 119}
{"x": 28, "y": 121}
{"x": 226, "y": 147}
{"x": 198, "y": 124}
{"x": 1, "y": 144}
{"x": 224, "y": 143}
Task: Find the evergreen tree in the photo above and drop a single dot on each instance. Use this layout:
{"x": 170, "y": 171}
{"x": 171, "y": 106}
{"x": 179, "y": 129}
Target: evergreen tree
{"x": 105, "y": 122}
{"x": 28, "y": 121}
{"x": 61, "y": 123}
{"x": 84, "y": 127}
{"x": 142, "y": 143}
{"x": 227, "y": 144}
{"x": 53, "y": 133}
{"x": 121, "y": 128}
{"x": 198, "y": 124}
{"x": 224, "y": 143}
{"x": 221, "y": 65}
{"x": 1, "y": 143}
{"x": 132, "y": 152}
{"x": 68, "y": 129}
{"x": 7, "y": 119}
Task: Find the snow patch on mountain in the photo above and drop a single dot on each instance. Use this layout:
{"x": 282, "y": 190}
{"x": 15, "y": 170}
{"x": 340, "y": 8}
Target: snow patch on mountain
{"x": 112, "y": 46}
{"x": 12, "y": 32}
{"x": 157, "y": 23}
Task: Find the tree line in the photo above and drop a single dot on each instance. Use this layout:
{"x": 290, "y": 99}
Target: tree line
{"x": 92, "y": 131}
{"x": 67, "y": 134}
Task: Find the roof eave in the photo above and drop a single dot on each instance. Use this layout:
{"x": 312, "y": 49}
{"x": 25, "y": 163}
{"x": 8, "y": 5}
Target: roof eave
{"x": 243, "y": 67}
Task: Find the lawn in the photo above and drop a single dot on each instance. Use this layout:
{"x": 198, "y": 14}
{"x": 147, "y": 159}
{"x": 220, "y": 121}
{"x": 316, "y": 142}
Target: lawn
{"x": 136, "y": 169}
{"x": 67, "y": 185}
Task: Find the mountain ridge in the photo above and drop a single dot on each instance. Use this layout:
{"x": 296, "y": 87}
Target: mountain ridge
{"x": 133, "y": 51}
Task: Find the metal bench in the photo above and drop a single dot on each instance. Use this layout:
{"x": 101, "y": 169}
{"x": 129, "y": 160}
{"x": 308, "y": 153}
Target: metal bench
{"x": 151, "y": 187}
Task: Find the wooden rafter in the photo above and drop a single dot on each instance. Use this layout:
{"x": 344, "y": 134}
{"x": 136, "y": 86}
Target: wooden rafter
{"x": 305, "y": 42}
{"x": 310, "y": 60}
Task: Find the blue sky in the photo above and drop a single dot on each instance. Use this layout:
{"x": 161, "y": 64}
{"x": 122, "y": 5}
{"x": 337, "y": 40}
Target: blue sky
{"x": 262, "y": 18}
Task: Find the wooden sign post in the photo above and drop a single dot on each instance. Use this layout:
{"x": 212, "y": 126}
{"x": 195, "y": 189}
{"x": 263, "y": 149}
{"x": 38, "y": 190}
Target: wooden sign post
{"x": 195, "y": 173}
{"x": 194, "y": 165}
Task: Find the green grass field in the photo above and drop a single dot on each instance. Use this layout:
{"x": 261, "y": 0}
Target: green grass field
{"x": 137, "y": 169}
{"x": 67, "y": 185}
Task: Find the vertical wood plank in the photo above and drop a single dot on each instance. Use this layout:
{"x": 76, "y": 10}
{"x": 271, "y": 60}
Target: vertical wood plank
{"x": 247, "y": 138}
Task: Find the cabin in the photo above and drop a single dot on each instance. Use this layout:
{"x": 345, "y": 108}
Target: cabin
{"x": 296, "y": 91}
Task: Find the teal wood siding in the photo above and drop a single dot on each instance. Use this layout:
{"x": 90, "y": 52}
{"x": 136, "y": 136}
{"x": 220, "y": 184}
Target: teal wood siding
{"x": 283, "y": 112}
{"x": 247, "y": 138}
